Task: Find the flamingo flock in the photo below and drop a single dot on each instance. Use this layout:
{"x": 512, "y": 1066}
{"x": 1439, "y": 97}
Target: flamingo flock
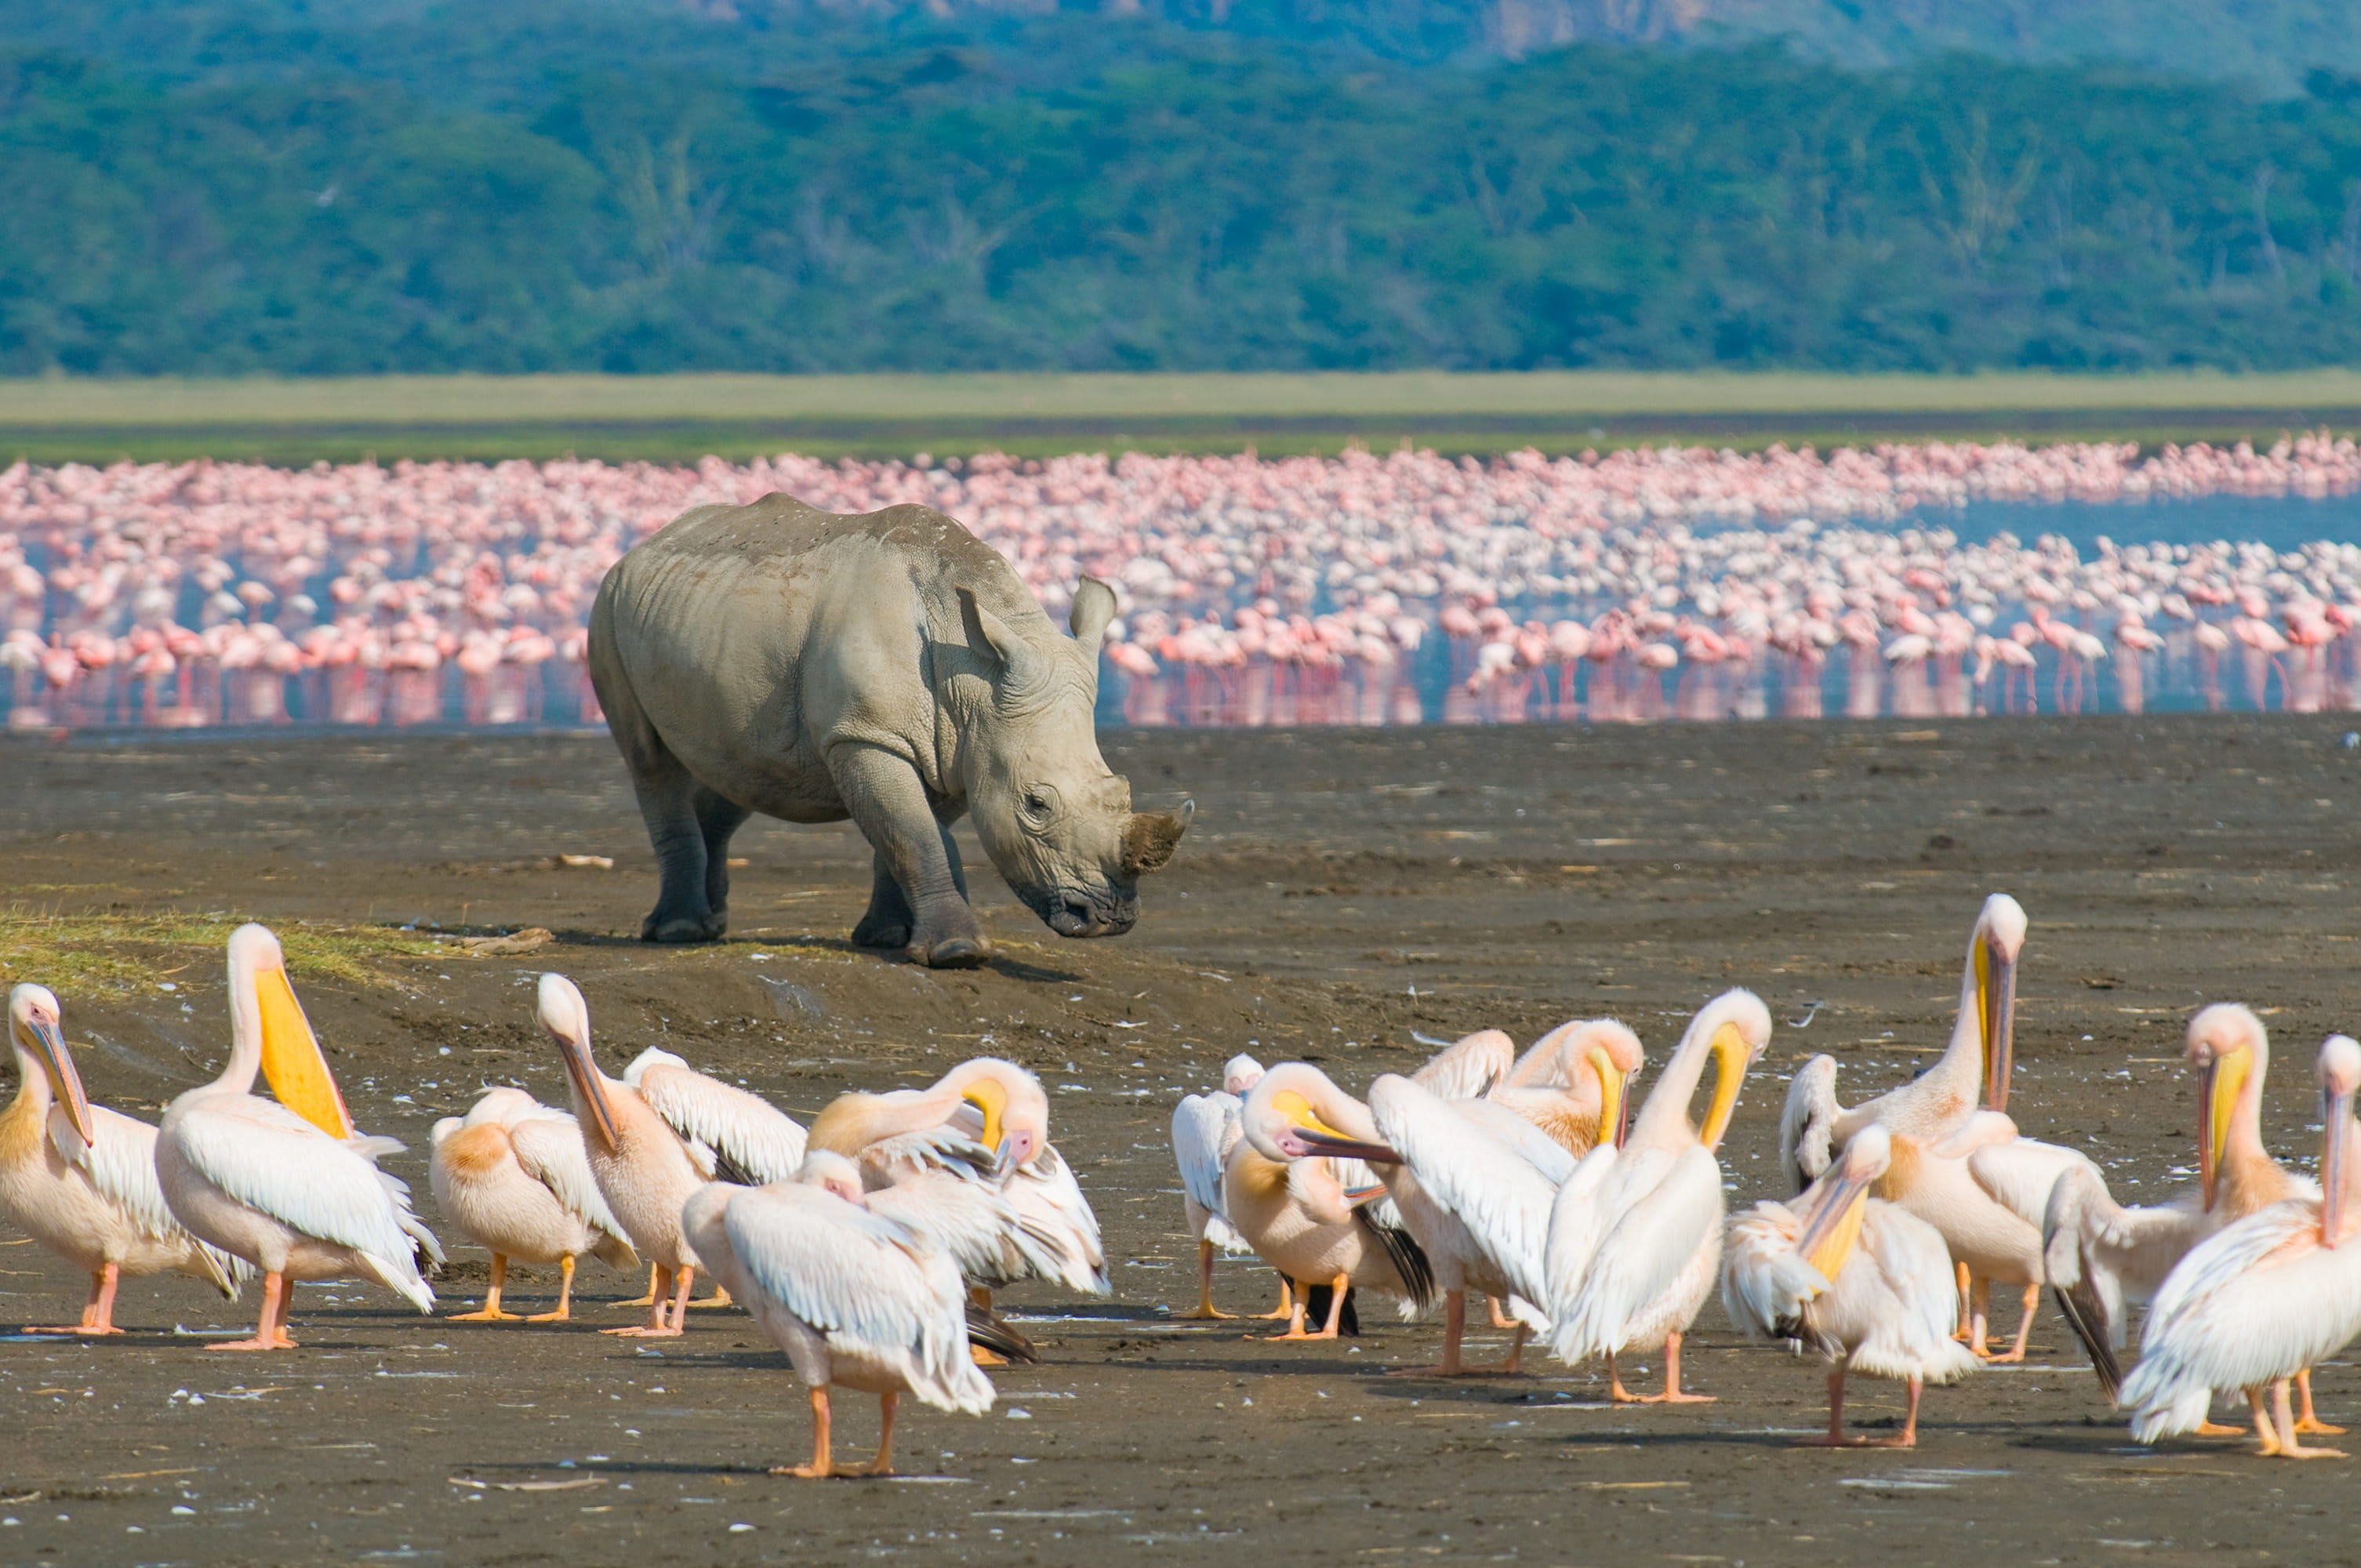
{"x": 1402, "y": 588}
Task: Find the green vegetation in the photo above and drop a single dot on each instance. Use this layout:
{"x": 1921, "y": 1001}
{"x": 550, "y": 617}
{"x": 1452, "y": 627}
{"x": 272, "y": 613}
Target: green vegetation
{"x": 898, "y": 202}
{"x": 83, "y": 953}
{"x": 681, "y": 418}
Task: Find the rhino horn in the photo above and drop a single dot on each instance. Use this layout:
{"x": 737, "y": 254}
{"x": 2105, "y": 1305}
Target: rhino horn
{"x": 1149, "y": 838}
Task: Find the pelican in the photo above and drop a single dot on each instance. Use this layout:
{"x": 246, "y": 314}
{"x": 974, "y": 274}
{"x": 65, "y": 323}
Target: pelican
{"x": 1635, "y": 1236}
{"x": 286, "y": 1185}
{"x": 1990, "y": 1220}
{"x": 1864, "y": 1283}
{"x": 989, "y": 1118}
{"x": 1470, "y": 1067}
{"x": 513, "y": 1176}
{"x": 2263, "y": 1298}
{"x": 740, "y": 1137}
{"x": 1562, "y": 1081}
{"x": 1204, "y": 1130}
{"x": 856, "y": 1299}
{"x": 2099, "y": 1256}
{"x": 81, "y": 1178}
{"x": 1296, "y": 1215}
{"x": 643, "y": 1168}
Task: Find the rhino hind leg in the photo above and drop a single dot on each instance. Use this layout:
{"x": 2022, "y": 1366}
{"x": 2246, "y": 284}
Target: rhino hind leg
{"x": 917, "y": 901}
{"x": 717, "y": 820}
{"x": 670, "y": 803}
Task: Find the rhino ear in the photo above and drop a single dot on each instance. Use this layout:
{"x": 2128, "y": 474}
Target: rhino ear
{"x": 1095, "y": 605}
{"x": 1016, "y": 663}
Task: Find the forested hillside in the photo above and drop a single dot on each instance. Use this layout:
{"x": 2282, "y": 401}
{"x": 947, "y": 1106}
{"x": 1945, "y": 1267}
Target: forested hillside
{"x": 917, "y": 196}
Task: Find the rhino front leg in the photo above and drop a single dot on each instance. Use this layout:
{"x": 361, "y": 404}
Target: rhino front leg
{"x": 916, "y": 902}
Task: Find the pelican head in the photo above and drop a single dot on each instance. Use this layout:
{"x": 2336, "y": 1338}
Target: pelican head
{"x": 1011, "y": 1104}
{"x": 269, "y": 1030}
{"x": 1240, "y": 1074}
{"x": 1992, "y": 952}
{"x": 833, "y": 1173}
{"x": 35, "y": 1023}
{"x": 1834, "y": 1210}
{"x": 2340, "y": 1076}
{"x": 1613, "y": 1053}
{"x": 1291, "y": 1114}
{"x": 566, "y": 1017}
{"x": 1738, "y": 1028}
{"x": 2227, "y": 1047}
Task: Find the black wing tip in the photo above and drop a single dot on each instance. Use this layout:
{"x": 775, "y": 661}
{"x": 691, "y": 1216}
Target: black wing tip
{"x": 2094, "y": 1344}
{"x": 1409, "y": 1258}
{"x": 1000, "y": 1337}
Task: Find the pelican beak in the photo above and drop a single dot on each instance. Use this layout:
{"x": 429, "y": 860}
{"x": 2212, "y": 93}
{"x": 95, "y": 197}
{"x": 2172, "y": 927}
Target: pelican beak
{"x": 1828, "y": 1237}
{"x": 1996, "y": 1017}
{"x": 291, "y": 1060}
{"x": 1733, "y": 1055}
{"x": 590, "y": 1083}
{"x": 991, "y": 1102}
{"x": 1336, "y": 1146}
{"x": 65, "y": 1084}
{"x": 2224, "y": 1079}
{"x": 1614, "y": 1106}
{"x": 2336, "y": 1128}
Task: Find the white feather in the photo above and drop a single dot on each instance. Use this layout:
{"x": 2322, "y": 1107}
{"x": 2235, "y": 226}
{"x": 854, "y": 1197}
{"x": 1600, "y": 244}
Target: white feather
{"x": 729, "y": 1127}
{"x": 1661, "y": 1208}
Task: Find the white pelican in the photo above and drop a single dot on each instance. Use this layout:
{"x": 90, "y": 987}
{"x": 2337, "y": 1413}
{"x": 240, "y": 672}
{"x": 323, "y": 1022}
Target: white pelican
{"x": 513, "y": 1176}
{"x": 286, "y": 1185}
{"x": 740, "y": 1137}
{"x": 2099, "y": 1256}
{"x": 81, "y": 1178}
{"x": 989, "y": 1118}
{"x": 1204, "y": 1130}
{"x": 1562, "y": 1081}
{"x": 643, "y": 1168}
{"x": 1635, "y": 1237}
{"x": 1864, "y": 1283}
{"x": 854, "y": 1297}
{"x": 1296, "y": 1215}
{"x": 1990, "y": 1219}
{"x": 1470, "y": 1067}
{"x": 2264, "y": 1298}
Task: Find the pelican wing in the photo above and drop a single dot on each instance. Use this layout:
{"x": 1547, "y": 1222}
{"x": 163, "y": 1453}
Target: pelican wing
{"x": 1807, "y": 1125}
{"x": 2018, "y": 1175}
{"x": 989, "y": 1241}
{"x": 1655, "y": 1228}
{"x": 1204, "y": 1129}
{"x": 121, "y": 1166}
{"x": 1044, "y": 1192}
{"x": 549, "y": 1149}
{"x": 871, "y": 1285}
{"x": 2097, "y": 1255}
{"x": 888, "y": 1160}
{"x": 1579, "y": 1217}
{"x": 1492, "y": 1186}
{"x": 1467, "y": 1069}
{"x": 265, "y": 1156}
{"x": 750, "y": 1141}
{"x": 1766, "y": 1284}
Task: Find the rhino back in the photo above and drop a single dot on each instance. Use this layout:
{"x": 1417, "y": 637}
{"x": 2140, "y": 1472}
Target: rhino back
{"x": 755, "y": 637}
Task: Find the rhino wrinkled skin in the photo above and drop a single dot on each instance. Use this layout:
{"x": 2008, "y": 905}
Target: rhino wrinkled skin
{"x": 888, "y": 667}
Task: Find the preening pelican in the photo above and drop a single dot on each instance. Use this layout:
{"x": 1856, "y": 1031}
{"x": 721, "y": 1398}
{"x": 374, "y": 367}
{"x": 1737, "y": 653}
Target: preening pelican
{"x": 286, "y": 1185}
{"x": 1204, "y": 1130}
{"x": 1470, "y": 1067}
{"x": 855, "y": 1298}
{"x": 2099, "y": 1256}
{"x": 2264, "y": 1298}
{"x": 1562, "y": 1081}
{"x": 1863, "y": 1283}
{"x": 1293, "y": 1211}
{"x": 81, "y": 1178}
{"x": 643, "y": 1168}
{"x": 745, "y": 1138}
{"x": 1989, "y": 1239}
{"x": 1635, "y": 1237}
{"x": 987, "y": 1118}
{"x": 513, "y": 1176}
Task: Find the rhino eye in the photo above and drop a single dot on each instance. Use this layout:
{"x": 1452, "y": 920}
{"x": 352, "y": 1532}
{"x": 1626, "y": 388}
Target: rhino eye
{"x": 1035, "y": 803}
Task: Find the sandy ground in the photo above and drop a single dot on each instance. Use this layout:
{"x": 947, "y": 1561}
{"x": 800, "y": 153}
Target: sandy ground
{"x": 1341, "y": 890}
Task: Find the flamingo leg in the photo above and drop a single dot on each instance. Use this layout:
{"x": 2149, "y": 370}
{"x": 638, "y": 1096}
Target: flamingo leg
{"x": 271, "y": 1330}
{"x": 819, "y": 1468}
{"x": 1206, "y": 1308}
{"x": 565, "y": 1295}
{"x": 2308, "y": 1423}
{"x": 2283, "y": 1420}
{"x": 491, "y": 1312}
{"x": 98, "y": 1311}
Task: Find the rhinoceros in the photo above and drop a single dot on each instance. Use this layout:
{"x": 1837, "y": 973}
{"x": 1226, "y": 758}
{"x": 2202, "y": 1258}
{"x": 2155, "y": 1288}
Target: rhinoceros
{"x": 888, "y": 667}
